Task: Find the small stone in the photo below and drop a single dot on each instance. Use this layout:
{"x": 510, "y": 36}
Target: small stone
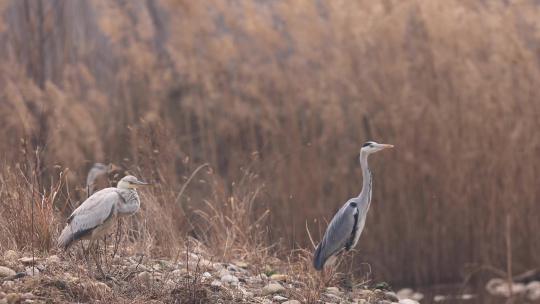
{"x": 279, "y": 277}
{"x": 6, "y": 272}
{"x": 2, "y": 294}
{"x": 404, "y": 293}
{"x": 13, "y": 298}
{"x": 272, "y": 288}
{"x": 332, "y": 297}
{"x": 279, "y": 298}
{"x": 533, "y": 290}
{"x": 102, "y": 287}
{"x": 206, "y": 275}
{"x": 234, "y": 268}
{"x": 417, "y": 296}
{"x": 8, "y": 284}
{"x": 390, "y": 295}
{"x": 215, "y": 283}
{"x": 144, "y": 277}
{"x": 217, "y": 266}
{"x": 28, "y": 260}
{"x": 223, "y": 272}
{"x": 365, "y": 293}
{"x": 230, "y": 279}
{"x": 254, "y": 280}
{"x": 26, "y": 296}
{"x": 53, "y": 259}
{"x": 241, "y": 264}
{"x": 439, "y": 298}
{"x": 291, "y": 302}
{"x": 408, "y": 301}
{"x": 31, "y": 271}
{"x": 360, "y": 301}
{"x": 10, "y": 256}
{"x": 333, "y": 290}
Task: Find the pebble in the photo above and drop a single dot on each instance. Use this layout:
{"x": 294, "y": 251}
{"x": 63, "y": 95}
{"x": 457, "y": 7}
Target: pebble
{"x": 279, "y": 277}
{"x": 391, "y": 296}
{"x": 291, "y": 302}
{"x": 229, "y": 278}
{"x": 408, "y": 301}
{"x": 102, "y": 287}
{"x": 28, "y": 260}
{"x": 31, "y": 271}
{"x": 223, "y": 272}
{"x": 439, "y": 298}
{"x": 26, "y": 296}
{"x": 10, "y": 256}
{"x": 206, "y": 275}
{"x": 500, "y": 287}
{"x": 234, "y": 268}
{"x": 333, "y": 290}
{"x": 144, "y": 277}
{"x": 272, "y": 288}
{"x": 6, "y": 272}
{"x": 216, "y": 283}
{"x": 533, "y": 290}
{"x": 13, "y": 298}
{"x": 53, "y": 259}
{"x": 365, "y": 293}
{"x": 417, "y": 296}
{"x": 279, "y": 298}
{"x": 332, "y": 297}
{"x": 404, "y": 293}
{"x": 8, "y": 284}
{"x": 241, "y": 264}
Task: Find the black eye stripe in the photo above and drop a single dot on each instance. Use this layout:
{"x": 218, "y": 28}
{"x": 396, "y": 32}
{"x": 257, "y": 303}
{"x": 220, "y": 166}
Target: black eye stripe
{"x": 369, "y": 143}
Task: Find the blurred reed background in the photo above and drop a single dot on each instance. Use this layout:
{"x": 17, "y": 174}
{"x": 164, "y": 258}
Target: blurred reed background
{"x": 285, "y": 92}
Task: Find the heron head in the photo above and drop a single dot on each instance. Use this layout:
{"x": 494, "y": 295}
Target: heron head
{"x": 130, "y": 182}
{"x": 372, "y": 147}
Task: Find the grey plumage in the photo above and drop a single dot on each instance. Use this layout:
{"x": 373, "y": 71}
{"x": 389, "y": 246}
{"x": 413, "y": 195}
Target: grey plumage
{"x": 96, "y": 215}
{"x": 348, "y": 223}
{"x": 97, "y": 170}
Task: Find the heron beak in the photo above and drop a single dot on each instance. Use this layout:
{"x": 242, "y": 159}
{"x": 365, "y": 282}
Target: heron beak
{"x": 385, "y": 146}
{"x": 139, "y": 183}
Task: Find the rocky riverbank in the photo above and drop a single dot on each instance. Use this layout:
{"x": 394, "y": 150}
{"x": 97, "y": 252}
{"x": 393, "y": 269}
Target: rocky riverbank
{"x": 190, "y": 278}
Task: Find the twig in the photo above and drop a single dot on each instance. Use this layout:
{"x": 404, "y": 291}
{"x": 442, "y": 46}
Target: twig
{"x": 310, "y": 238}
{"x": 509, "y": 258}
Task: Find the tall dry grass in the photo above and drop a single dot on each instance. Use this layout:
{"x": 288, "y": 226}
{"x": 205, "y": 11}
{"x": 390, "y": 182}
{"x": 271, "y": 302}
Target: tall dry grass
{"x": 289, "y": 91}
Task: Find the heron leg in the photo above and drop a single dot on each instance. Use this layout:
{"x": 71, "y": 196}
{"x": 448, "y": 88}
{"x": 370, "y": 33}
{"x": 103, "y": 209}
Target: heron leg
{"x": 95, "y": 255}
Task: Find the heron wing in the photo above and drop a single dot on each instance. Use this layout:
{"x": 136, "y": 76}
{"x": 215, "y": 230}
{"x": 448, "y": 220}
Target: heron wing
{"x": 92, "y": 213}
{"x": 337, "y": 235}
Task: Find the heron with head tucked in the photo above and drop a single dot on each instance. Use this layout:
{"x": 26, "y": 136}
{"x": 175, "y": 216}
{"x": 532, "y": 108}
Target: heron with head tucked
{"x": 344, "y": 230}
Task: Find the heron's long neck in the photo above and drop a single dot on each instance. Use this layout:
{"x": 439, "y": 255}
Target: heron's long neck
{"x": 130, "y": 202}
{"x": 366, "y": 175}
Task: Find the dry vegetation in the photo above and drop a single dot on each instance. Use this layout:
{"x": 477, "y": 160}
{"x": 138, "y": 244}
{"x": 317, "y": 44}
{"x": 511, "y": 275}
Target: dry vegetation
{"x": 277, "y": 97}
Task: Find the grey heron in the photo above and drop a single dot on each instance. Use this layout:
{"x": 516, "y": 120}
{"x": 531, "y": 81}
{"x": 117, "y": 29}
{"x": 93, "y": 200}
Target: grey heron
{"x": 97, "y": 170}
{"x": 95, "y": 216}
{"x": 347, "y": 224}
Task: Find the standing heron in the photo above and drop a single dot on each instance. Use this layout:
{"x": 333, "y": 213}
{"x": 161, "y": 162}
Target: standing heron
{"x": 95, "y": 216}
{"x": 345, "y": 228}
